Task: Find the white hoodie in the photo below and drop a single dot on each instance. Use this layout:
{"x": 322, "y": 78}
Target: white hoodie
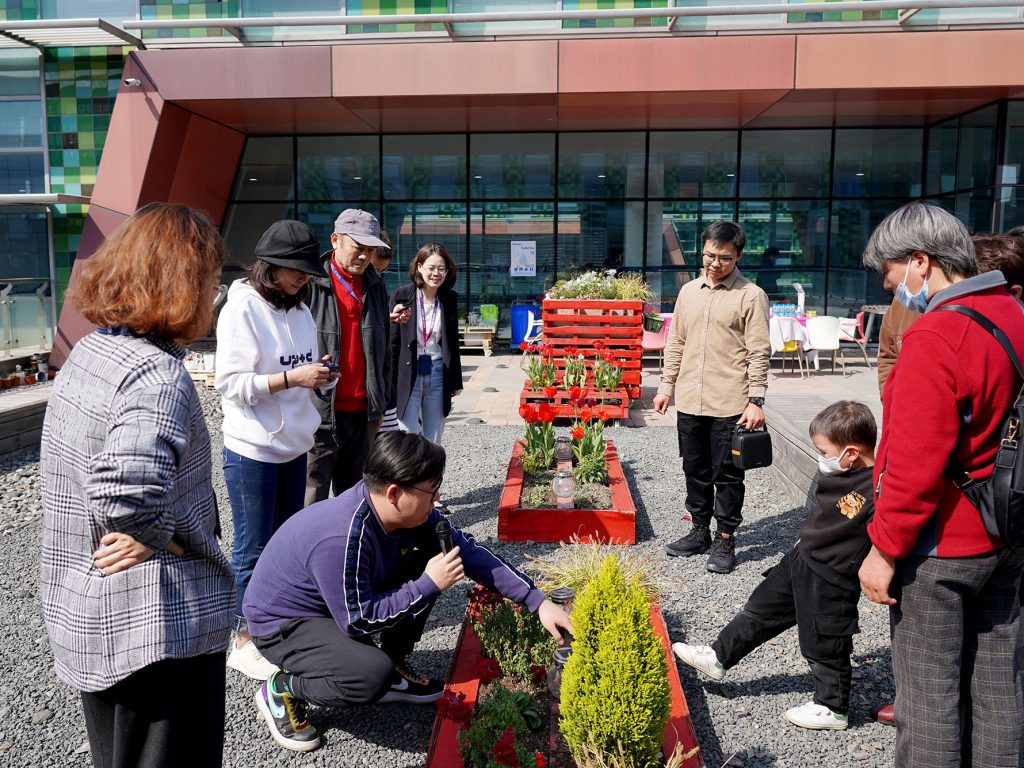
{"x": 254, "y": 341}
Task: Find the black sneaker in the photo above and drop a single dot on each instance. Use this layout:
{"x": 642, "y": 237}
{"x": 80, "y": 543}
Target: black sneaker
{"x": 411, "y": 688}
{"x": 723, "y": 554}
{"x": 286, "y": 717}
{"x": 696, "y": 542}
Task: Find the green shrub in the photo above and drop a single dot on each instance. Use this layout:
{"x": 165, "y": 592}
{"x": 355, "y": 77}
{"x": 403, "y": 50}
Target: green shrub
{"x": 497, "y": 711}
{"x": 509, "y": 633}
{"x": 615, "y": 686}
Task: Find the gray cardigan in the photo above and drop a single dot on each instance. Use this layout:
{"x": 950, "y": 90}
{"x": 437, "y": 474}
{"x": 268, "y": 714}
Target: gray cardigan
{"x": 125, "y": 448}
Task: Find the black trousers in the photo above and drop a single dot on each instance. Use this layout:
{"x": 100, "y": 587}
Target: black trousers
{"x": 166, "y": 715}
{"x": 335, "y": 462}
{"x": 714, "y": 485}
{"x": 329, "y": 668}
{"x": 825, "y": 616}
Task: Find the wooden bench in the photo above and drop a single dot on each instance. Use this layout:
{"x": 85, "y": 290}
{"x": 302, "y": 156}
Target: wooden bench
{"x": 477, "y": 337}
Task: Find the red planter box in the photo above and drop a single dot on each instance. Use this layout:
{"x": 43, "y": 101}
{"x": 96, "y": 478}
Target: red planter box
{"x": 617, "y": 525}
{"x": 444, "y": 739}
{"x": 615, "y": 404}
{"x": 569, "y": 323}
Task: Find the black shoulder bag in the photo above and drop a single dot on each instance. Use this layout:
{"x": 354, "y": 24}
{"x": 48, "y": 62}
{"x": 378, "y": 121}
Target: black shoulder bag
{"x": 999, "y": 497}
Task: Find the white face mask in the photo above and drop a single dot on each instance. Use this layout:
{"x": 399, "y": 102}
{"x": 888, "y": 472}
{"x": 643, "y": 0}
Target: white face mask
{"x": 831, "y": 466}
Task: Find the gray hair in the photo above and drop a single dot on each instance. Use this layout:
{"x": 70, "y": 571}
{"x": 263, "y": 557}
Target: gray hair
{"x": 926, "y": 228}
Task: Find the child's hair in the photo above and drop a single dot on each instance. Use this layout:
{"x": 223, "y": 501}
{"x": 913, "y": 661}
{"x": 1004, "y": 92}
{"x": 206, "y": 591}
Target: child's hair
{"x": 846, "y": 422}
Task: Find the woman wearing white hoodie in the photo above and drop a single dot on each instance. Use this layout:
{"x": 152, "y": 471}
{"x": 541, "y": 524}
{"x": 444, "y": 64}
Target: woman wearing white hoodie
{"x": 266, "y": 366}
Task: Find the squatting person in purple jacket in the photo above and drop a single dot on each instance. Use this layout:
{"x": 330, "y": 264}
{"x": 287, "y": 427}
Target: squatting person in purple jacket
{"x": 367, "y": 561}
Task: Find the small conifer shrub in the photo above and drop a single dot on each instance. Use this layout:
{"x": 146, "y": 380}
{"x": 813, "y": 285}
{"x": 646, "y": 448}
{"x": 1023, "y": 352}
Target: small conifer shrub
{"x": 615, "y": 694}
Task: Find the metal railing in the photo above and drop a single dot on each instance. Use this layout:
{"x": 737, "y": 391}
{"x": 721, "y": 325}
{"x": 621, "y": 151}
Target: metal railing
{"x": 26, "y": 319}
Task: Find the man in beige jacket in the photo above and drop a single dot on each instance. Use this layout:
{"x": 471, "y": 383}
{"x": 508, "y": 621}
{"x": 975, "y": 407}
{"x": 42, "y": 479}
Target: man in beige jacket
{"x": 716, "y": 367}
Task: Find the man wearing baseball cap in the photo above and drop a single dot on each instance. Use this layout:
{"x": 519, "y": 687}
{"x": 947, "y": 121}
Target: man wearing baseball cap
{"x": 349, "y": 307}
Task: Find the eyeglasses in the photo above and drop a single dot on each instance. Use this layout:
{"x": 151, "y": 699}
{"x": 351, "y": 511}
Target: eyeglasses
{"x": 436, "y": 270}
{"x": 725, "y": 261}
{"x": 430, "y": 491}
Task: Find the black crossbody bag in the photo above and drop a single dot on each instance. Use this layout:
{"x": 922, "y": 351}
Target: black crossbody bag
{"x": 999, "y": 497}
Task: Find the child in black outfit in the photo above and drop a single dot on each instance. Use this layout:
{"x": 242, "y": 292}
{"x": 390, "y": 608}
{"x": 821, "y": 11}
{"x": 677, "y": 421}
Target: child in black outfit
{"x": 815, "y": 585}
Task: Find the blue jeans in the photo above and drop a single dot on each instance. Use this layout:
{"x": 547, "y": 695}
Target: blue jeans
{"x": 263, "y": 496}
{"x": 424, "y": 413}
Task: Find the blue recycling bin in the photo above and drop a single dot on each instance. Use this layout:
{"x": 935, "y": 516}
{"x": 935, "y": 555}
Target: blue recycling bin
{"x": 521, "y": 321}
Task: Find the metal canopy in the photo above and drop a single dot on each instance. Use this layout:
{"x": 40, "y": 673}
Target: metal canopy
{"x": 53, "y": 198}
{"x": 52, "y": 33}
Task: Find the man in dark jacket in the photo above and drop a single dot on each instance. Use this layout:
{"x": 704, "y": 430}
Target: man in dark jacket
{"x": 349, "y": 307}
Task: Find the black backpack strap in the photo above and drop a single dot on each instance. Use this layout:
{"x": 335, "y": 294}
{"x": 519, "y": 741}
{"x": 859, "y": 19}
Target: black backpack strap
{"x": 989, "y": 326}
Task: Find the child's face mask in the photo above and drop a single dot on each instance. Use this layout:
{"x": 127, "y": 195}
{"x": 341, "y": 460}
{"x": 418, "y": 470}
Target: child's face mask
{"x": 831, "y": 466}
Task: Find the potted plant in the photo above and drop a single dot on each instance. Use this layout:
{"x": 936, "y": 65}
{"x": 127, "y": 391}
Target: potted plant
{"x": 30, "y": 377}
{"x": 653, "y": 322}
{"x": 619, "y": 701}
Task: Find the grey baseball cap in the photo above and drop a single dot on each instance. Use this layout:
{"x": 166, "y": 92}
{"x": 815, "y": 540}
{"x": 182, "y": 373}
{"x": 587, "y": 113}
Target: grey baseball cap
{"x": 361, "y": 226}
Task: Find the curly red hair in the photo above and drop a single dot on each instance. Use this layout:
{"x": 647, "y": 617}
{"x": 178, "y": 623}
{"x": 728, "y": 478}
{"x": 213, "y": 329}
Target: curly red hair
{"x": 155, "y": 275}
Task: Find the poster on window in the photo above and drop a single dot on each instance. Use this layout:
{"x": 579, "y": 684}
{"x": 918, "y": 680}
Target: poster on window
{"x": 524, "y": 258}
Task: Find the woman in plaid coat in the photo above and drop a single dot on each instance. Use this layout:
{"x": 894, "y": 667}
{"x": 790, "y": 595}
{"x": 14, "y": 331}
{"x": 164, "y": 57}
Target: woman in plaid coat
{"x": 137, "y": 594}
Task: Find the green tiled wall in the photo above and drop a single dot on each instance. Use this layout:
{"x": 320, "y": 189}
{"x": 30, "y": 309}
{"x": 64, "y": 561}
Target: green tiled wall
{"x": 600, "y": 5}
{"x": 844, "y": 15}
{"x": 81, "y": 85}
{"x": 390, "y": 8}
{"x": 186, "y": 9}
{"x": 18, "y": 10}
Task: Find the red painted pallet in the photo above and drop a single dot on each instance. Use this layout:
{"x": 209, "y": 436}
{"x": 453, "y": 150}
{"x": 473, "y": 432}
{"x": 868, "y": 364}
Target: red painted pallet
{"x": 579, "y": 323}
{"x": 616, "y": 525}
{"x": 615, "y": 404}
{"x": 463, "y": 678}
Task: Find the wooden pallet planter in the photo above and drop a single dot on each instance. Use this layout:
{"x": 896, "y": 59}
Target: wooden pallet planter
{"x": 203, "y": 378}
{"x": 615, "y": 404}
{"x": 616, "y": 525}
{"x": 464, "y": 678}
{"x": 579, "y": 323}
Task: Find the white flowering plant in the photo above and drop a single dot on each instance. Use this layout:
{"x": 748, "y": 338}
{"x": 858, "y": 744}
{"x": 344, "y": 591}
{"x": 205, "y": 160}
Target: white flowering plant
{"x": 606, "y": 285}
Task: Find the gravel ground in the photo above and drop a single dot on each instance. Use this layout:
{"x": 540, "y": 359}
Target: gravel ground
{"x": 41, "y": 722}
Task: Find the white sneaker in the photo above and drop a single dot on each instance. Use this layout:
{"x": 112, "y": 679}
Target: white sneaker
{"x": 700, "y": 657}
{"x": 249, "y": 661}
{"x": 816, "y": 717}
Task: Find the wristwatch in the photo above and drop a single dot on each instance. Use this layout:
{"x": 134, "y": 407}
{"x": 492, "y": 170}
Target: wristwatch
{"x": 758, "y": 401}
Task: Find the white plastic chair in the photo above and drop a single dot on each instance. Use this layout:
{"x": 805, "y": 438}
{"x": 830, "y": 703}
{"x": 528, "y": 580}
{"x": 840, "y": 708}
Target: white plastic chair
{"x": 823, "y": 336}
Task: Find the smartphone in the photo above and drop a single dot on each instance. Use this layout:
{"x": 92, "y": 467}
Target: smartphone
{"x": 332, "y": 367}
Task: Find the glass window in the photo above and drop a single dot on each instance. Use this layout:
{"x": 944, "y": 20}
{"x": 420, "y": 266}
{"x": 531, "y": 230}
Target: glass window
{"x": 111, "y": 10}
{"x": 673, "y": 243}
{"x": 512, "y": 165}
{"x": 974, "y": 209}
{"x": 243, "y": 226}
{"x": 878, "y": 162}
{"x": 339, "y": 168}
{"x": 850, "y": 285}
{"x": 493, "y": 228}
{"x": 23, "y": 241}
{"x": 785, "y": 244}
{"x": 940, "y": 160}
{"x": 267, "y": 170}
{"x": 599, "y": 235}
{"x": 425, "y": 167}
{"x": 412, "y": 225}
{"x": 1013, "y": 156}
{"x": 21, "y": 123}
{"x": 693, "y": 164}
{"x": 1010, "y": 211}
{"x": 21, "y": 173}
{"x": 601, "y": 165}
{"x": 785, "y": 163}
{"x": 487, "y": 6}
{"x": 976, "y": 162}
{"x": 260, "y": 8}
{"x": 19, "y": 73}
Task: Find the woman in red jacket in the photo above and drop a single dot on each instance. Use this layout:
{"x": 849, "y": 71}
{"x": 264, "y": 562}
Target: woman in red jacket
{"x": 951, "y": 588}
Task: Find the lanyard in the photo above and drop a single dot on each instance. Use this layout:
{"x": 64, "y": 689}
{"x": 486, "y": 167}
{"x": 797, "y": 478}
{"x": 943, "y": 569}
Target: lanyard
{"x": 346, "y": 285}
{"x": 424, "y": 333}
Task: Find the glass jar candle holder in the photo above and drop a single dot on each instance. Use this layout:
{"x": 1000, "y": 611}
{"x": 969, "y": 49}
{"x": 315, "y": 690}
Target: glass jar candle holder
{"x": 563, "y": 485}
{"x": 563, "y": 449}
{"x": 556, "y": 668}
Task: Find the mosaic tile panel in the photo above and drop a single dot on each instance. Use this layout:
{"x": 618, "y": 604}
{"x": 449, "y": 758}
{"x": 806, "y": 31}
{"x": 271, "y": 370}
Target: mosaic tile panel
{"x": 391, "y": 8}
{"x": 81, "y": 85}
{"x": 19, "y": 10}
{"x": 843, "y": 15}
{"x": 187, "y": 9}
{"x": 600, "y": 5}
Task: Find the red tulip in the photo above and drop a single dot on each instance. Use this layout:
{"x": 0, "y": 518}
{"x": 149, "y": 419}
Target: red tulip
{"x": 603, "y": 415}
{"x": 546, "y": 414}
{"x": 598, "y": 344}
{"x": 577, "y": 433}
{"x": 523, "y": 346}
{"x": 550, "y": 392}
{"x": 585, "y": 414}
{"x": 575, "y": 393}
{"x": 570, "y": 351}
{"x": 524, "y": 411}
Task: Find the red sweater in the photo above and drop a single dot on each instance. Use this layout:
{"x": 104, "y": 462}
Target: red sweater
{"x": 948, "y": 365}
{"x": 350, "y": 394}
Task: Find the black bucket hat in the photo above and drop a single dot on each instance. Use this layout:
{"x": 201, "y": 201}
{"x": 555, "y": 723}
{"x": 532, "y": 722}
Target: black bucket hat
{"x": 293, "y": 245}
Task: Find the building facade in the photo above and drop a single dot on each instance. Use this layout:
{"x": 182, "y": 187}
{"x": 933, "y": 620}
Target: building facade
{"x": 601, "y": 136}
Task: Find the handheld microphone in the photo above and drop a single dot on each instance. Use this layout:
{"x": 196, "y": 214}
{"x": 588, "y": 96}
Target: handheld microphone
{"x": 444, "y": 535}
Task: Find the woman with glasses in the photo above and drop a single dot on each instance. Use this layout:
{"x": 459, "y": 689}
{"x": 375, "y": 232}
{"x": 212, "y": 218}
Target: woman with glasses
{"x": 426, "y": 369}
